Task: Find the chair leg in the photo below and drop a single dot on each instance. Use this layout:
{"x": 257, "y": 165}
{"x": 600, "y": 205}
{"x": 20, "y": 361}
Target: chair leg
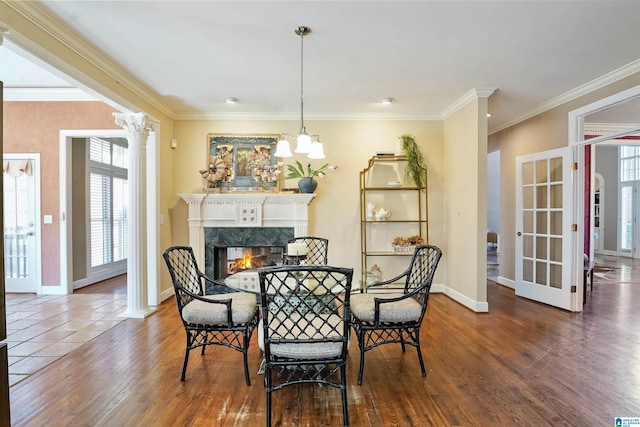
{"x": 345, "y": 407}
{"x": 202, "y": 352}
{"x": 361, "y": 345}
{"x": 186, "y": 357}
{"x": 424, "y": 373}
{"x": 267, "y": 383}
{"x": 245, "y": 352}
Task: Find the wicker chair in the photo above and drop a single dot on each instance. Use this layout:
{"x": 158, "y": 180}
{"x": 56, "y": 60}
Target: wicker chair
{"x": 317, "y": 249}
{"x": 396, "y": 318}
{"x": 305, "y": 327}
{"x": 227, "y": 318}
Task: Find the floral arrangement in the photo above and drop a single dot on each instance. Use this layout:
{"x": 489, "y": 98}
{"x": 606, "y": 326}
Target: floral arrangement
{"x": 409, "y": 241}
{"x": 298, "y": 171}
{"x": 267, "y": 174}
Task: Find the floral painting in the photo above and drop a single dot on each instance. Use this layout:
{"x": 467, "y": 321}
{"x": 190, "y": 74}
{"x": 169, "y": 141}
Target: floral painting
{"x": 242, "y": 162}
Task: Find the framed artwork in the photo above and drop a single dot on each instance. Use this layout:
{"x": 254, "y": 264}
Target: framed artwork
{"x": 242, "y": 162}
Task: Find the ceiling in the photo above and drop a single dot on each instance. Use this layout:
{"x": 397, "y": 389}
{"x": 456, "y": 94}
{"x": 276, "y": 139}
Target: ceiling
{"x": 186, "y": 57}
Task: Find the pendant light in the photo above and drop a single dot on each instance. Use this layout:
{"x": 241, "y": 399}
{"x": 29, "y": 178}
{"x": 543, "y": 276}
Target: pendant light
{"x": 306, "y": 144}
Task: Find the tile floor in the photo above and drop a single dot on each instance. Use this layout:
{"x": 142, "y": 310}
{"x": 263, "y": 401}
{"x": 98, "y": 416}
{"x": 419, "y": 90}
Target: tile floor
{"x": 43, "y": 328}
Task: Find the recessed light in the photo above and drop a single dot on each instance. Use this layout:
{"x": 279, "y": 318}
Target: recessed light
{"x": 488, "y": 114}
{"x": 231, "y": 100}
{"x": 387, "y": 101}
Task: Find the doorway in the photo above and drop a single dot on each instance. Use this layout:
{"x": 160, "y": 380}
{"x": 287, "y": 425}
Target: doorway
{"x": 622, "y": 107}
{"x": 22, "y": 231}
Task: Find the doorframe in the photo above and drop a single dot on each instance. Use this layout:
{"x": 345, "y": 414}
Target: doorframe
{"x": 153, "y": 228}
{"x": 576, "y": 140}
{"x": 38, "y": 217}
{"x": 66, "y": 190}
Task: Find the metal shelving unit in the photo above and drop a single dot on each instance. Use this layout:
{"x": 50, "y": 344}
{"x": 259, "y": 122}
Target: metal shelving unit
{"x": 381, "y": 184}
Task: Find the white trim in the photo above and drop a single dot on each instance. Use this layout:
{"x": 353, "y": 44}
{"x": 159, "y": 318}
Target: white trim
{"x": 154, "y": 252}
{"x": 476, "y": 306}
{"x": 577, "y": 141}
{"x": 37, "y": 214}
{"x": 66, "y": 236}
{"x": 100, "y": 276}
{"x": 509, "y": 283}
{"x": 608, "y": 128}
{"x": 585, "y": 89}
{"x": 296, "y": 116}
{"x": 473, "y": 94}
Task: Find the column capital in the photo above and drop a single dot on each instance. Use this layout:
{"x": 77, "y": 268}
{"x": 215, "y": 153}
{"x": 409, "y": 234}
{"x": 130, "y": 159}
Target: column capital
{"x": 136, "y": 124}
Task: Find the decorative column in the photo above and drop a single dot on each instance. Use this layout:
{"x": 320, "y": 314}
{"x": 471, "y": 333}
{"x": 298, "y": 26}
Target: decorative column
{"x": 138, "y": 130}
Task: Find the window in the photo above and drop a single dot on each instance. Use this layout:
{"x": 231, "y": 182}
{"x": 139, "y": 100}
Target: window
{"x": 108, "y": 203}
{"x": 629, "y": 175}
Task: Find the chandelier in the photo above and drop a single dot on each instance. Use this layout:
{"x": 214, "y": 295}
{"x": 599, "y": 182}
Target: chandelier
{"x": 306, "y": 144}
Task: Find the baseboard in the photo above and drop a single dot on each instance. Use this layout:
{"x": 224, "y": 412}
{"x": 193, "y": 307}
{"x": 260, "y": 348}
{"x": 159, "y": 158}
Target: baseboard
{"x": 506, "y": 282}
{"x": 166, "y": 294}
{"x": 477, "y": 306}
{"x": 104, "y": 275}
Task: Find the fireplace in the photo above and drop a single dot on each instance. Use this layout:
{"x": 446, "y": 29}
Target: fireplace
{"x": 228, "y": 249}
{"x": 260, "y": 223}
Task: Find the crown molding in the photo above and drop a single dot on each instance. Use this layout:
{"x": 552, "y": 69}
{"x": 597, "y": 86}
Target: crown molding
{"x": 36, "y": 15}
{"x": 608, "y": 128}
{"x": 585, "y": 89}
{"x": 472, "y": 95}
{"x": 296, "y": 117}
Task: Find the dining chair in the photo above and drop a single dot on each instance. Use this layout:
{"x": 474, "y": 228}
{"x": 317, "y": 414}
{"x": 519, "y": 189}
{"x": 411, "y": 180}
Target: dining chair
{"x": 317, "y": 249}
{"x": 305, "y": 328}
{"x": 379, "y": 319}
{"x": 227, "y": 318}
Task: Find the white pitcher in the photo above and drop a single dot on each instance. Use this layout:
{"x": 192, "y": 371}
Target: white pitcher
{"x": 381, "y": 215}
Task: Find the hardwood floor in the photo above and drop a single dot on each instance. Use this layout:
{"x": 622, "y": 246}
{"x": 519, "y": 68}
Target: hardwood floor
{"x": 522, "y": 363}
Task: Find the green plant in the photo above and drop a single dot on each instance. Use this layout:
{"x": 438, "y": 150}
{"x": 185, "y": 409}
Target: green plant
{"x": 416, "y": 167}
{"x": 298, "y": 171}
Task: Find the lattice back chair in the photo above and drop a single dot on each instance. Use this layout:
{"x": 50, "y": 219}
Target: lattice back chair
{"x": 317, "y": 250}
{"x": 396, "y": 317}
{"x": 227, "y": 318}
{"x": 305, "y": 321}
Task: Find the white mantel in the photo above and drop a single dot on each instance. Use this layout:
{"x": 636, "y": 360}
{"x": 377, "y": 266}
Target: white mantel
{"x": 244, "y": 210}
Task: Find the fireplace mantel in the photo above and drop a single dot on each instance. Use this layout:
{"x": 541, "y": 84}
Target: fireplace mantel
{"x": 244, "y": 210}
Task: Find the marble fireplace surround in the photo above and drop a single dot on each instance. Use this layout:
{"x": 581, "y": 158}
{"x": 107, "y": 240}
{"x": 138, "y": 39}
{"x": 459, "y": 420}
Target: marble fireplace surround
{"x": 244, "y": 210}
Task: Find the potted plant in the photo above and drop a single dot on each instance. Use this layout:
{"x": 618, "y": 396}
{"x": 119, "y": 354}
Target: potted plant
{"x": 416, "y": 167}
{"x": 307, "y": 183}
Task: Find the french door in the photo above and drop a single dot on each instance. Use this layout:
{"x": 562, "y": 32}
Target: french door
{"x": 544, "y": 212}
{"x": 21, "y": 222}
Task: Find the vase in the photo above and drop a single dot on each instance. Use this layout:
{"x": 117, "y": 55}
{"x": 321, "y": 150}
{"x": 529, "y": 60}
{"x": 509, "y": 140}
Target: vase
{"x": 307, "y": 184}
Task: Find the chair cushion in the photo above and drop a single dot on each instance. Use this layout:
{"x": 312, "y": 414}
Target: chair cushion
{"x": 406, "y": 310}
{"x": 243, "y": 307}
{"x": 319, "y": 326}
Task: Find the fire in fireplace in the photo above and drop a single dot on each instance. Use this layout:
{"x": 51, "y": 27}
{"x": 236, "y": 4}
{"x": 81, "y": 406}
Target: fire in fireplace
{"x": 227, "y": 247}
{"x": 231, "y": 260}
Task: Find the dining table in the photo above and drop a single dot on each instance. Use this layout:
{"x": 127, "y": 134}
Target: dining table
{"x": 248, "y": 281}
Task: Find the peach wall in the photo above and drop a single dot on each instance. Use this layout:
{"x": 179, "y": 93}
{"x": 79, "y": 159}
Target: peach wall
{"x": 33, "y": 127}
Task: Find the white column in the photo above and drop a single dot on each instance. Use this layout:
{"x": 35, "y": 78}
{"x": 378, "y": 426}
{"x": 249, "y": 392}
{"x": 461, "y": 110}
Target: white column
{"x": 138, "y": 129}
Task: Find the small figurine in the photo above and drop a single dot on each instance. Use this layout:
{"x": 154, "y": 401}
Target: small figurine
{"x": 370, "y": 211}
{"x": 377, "y": 271}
